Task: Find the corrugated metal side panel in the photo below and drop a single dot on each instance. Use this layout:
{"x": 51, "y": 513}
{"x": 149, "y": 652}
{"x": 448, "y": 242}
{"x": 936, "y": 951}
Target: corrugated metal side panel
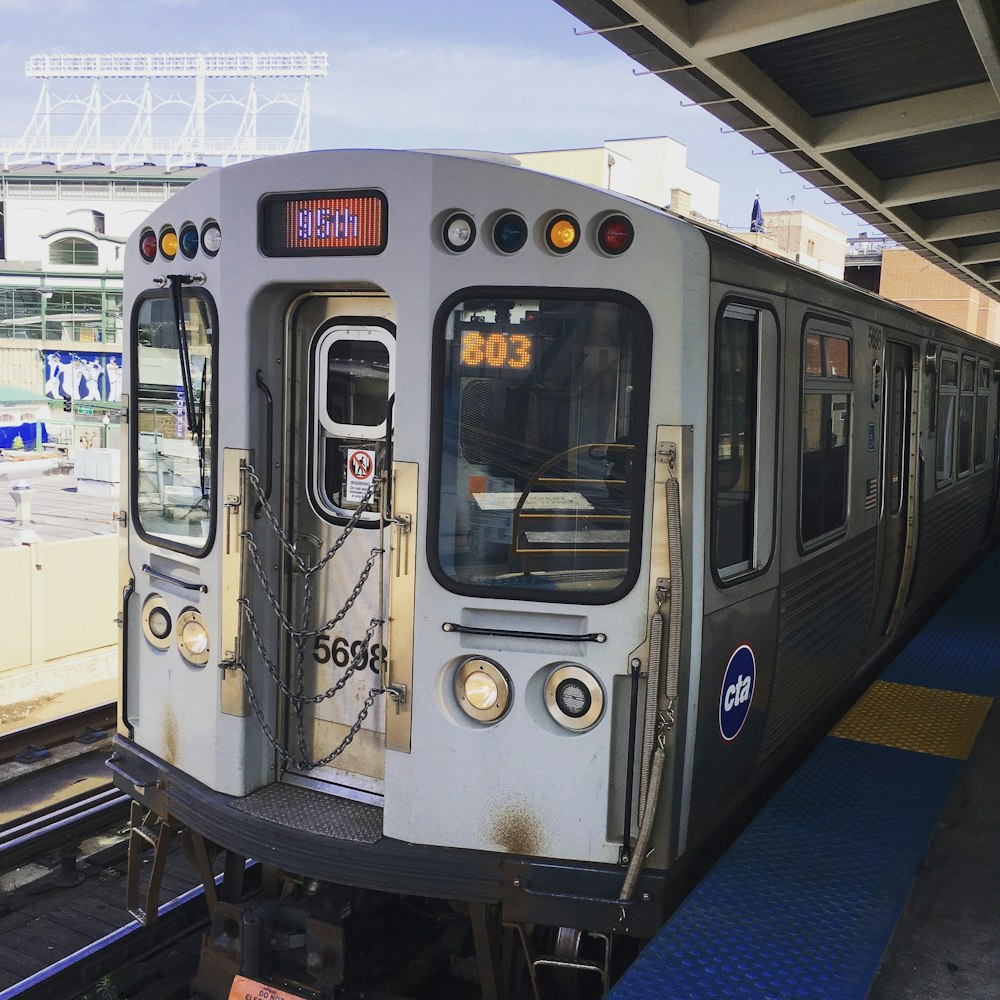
{"x": 953, "y": 528}
{"x": 821, "y": 629}
{"x": 903, "y": 54}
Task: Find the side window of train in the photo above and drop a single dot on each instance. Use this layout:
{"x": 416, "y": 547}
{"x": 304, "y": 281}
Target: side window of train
{"x": 947, "y": 407}
{"x": 540, "y": 431}
{"x": 982, "y": 413}
{"x": 827, "y": 395}
{"x": 744, "y": 425}
{"x": 352, "y": 388}
{"x": 966, "y": 412}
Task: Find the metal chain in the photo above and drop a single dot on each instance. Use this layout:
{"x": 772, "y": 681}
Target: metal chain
{"x": 300, "y": 635}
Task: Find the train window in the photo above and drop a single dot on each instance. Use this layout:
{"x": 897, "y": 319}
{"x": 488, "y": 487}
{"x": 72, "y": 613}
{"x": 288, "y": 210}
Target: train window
{"x": 541, "y": 428}
{"x": 946, "y": 412}
{"x": 982, "y": 410}
{"x": 966, "y": 410}
{"x": 173, "y": 457}
{"x": 826, "y": 435}
{"x": 744, "y": 394}
{"x": 353, "y": 378}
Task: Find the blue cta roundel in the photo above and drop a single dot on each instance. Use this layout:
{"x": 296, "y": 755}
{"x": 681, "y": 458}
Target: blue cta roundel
{"x": 737, "y": 692}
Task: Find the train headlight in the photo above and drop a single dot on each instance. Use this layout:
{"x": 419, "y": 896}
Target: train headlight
{"x": 482, "y": 689}
{"x": 459, "y": 232}
{"x": 615, "y": 235}
{"x": 562, "y": 234}
{"x": 157, "y": 623}
{"x": 510, "y": 233}
{"x": 574, "y": 697}
{"x": 192, "y": 637}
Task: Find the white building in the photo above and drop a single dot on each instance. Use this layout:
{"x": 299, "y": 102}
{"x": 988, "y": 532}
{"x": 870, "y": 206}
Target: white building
{"x": 654, "y": 170}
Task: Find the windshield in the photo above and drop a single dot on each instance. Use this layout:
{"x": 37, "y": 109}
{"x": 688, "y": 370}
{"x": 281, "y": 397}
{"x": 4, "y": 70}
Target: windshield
{"x": 173, "y": 466}
{"x": 542, "y": 445}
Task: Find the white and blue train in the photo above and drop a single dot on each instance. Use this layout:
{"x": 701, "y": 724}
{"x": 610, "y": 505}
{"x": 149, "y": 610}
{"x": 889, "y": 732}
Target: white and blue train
{"x": 492, "y": 540}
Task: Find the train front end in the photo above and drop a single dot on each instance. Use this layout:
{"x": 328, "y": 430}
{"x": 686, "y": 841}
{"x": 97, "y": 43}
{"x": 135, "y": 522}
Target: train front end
{"x": 410, "y": 461}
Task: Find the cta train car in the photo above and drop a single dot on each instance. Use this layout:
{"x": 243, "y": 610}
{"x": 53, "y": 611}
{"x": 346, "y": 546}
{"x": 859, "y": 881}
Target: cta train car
{"x": 491, "y": 541}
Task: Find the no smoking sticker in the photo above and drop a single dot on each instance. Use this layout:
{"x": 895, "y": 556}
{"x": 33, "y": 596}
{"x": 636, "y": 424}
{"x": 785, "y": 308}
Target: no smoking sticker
{"x": 248, "y": 989}
{"x": 360, "y": 474}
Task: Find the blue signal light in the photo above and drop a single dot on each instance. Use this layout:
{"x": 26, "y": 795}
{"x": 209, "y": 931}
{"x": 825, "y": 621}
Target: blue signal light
{"x": 510, "y": 233}
{"x": 189, "y": 241}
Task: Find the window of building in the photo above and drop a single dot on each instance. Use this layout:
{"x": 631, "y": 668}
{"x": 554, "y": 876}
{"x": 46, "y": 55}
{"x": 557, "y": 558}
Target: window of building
{"x": 743, "y": 429}
{"x": 541, "y": 431}
{"x": 827, "y": 394}
{"x": 947, "y": 406}
{"x": 73, "y": 250}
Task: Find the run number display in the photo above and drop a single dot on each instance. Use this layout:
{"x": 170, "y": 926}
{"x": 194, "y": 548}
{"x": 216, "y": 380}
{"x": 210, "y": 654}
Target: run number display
{"x": 497, "y": 352}
{"x": 323, "y": 223}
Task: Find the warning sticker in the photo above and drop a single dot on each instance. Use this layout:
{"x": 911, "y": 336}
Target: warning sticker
{"x": 249, "y": 989}
{"x": 360, "y": 474}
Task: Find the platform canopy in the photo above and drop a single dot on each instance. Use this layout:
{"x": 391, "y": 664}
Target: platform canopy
{"x": 892, "y": 107}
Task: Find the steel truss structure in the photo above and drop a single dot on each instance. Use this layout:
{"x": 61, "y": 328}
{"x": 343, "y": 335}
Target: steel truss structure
{"x": 224, "y": 107}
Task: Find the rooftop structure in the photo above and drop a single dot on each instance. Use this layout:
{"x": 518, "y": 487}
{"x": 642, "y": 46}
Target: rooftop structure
{"x": 174, "y": 108}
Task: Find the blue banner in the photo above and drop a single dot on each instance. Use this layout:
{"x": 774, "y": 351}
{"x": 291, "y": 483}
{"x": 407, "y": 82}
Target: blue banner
{"x": 84, "y": 376}
{"x": 26, "y": 432}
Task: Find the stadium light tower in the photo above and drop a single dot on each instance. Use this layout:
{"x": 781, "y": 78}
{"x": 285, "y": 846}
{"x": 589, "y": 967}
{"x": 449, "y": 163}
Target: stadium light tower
{"x": 125, "y": 103}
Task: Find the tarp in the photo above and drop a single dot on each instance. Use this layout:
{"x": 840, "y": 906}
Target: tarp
{"x": 26, "y": 432}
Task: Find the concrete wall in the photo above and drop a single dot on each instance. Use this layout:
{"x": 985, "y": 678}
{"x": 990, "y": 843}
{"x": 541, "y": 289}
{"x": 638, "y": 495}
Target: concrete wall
{"x": 60, "y": 602}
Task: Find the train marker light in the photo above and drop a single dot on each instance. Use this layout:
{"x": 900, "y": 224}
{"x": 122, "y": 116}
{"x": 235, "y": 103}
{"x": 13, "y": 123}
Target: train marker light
{"x": 615, "y": 235}
{"x": 156, "y": 621}
{"x": 189, "y": 240}
{"x": 510, "y": 233}
{"x": 211, "y": 238}
{"x": 562, "y": 234}
{"x": 148, "y": 245}
{"x": 482, "y": 689}
{"x": 168, "y": 243}
{"x": 574, "y": 697}
{"x": 459, "y": 232}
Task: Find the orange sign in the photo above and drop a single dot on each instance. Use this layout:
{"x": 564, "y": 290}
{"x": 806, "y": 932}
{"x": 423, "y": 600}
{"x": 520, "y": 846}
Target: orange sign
{"x": 249, "y": 989}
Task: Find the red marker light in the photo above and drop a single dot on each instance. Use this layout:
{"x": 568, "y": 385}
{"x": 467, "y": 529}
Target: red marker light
{"x": 148, "y": 245}
{"x": 615, "y": 235}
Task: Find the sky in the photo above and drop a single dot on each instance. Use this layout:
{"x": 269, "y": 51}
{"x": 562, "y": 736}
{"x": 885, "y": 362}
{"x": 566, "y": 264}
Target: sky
{"x": 503, "y": 75}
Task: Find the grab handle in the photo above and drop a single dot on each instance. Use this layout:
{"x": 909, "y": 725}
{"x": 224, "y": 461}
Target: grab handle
{"x": 200, "y": 587}
{"x": 268, "y": 434}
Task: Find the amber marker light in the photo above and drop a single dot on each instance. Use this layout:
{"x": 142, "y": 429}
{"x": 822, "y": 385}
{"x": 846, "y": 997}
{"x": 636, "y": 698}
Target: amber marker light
{"x": 562, "y": 234}
{"x": 168, "y": 244}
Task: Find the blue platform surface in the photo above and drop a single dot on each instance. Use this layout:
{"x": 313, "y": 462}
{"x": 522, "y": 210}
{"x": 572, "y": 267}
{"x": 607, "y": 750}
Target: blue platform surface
{"x": 804, "y": 903}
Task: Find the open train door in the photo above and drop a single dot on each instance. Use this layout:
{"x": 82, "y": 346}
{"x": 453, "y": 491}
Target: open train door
{"x": 341, "y": 350}
{"x": 896, "y": 523}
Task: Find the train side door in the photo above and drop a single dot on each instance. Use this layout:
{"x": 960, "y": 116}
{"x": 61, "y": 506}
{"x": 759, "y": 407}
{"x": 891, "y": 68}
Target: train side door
{"x": 896, "y": 458}
{"x": 342, "y": 352}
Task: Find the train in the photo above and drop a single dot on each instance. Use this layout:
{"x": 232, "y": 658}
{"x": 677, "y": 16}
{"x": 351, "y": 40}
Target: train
{"x": 491, "y": 543}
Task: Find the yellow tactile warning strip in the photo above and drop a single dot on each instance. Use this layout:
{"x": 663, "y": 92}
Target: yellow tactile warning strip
{"x": 927, "y": 720}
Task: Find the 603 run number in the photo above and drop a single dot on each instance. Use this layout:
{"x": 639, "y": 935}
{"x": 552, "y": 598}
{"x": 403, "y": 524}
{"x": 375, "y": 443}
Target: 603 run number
{"x": 342, "y": 652}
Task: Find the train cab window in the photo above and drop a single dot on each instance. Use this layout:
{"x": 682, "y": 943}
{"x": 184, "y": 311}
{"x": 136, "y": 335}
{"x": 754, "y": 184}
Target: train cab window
{"x": 966, "y": 411}
{"x": 541, "y": 426}
{"x": 946, "y": 412}
{"x": 982, "y": 412}
{"x": 826, "y": 433}
{"x": 743, "y": 431}
{"x": 173, "y": 461}
{"x": 352, "y": 386}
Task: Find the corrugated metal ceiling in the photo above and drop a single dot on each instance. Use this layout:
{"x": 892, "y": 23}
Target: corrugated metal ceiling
{"x": 897, "y": 100}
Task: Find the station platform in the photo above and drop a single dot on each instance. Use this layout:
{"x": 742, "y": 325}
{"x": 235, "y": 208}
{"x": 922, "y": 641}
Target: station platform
{"x": 874, "y": 872}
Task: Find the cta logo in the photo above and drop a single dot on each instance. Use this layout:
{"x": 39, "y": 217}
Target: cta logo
{"x": 737, "y": 692}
